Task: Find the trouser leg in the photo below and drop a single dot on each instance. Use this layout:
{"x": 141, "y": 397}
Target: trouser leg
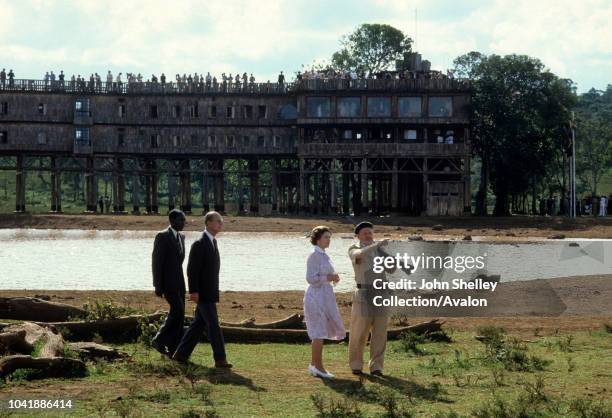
{"x": 171, "y": 331}
{"x": 215, "y": 335}
{"x": 358, "y": 334}
{"x": 378, "y": 342}
{"x": 193, "y": 334}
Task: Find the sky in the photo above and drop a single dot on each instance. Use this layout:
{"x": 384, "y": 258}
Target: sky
{"x": 572, "y": 38}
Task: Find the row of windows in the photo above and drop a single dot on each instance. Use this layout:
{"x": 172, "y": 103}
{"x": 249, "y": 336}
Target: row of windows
{"x": 82, "y": 138}
{"x": 316, "y": 107}
{"x": 229, "y": 141}
{"x": 440, "y": 136}
{"x": 378, "y": 107}
{"x": 248, "y": 111}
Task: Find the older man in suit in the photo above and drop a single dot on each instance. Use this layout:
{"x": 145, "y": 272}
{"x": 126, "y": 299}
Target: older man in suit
{"x": 169, "y": 282}
{"x": 203, "y": 277}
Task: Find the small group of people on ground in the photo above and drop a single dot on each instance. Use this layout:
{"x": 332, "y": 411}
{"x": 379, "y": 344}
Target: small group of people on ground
{"x": 321, "y": 314}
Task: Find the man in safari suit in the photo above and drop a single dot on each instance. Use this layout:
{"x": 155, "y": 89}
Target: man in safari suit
{"x": 366, "y": 318}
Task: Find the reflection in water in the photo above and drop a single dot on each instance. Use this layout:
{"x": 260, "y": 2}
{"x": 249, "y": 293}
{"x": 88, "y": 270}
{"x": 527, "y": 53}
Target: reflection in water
{"x": 121, "y": 260}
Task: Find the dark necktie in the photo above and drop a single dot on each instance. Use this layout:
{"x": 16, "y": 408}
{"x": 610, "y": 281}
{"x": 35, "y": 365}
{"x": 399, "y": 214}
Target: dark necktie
{"x": 216, "y": 248}
{"x": 178, "y": 241}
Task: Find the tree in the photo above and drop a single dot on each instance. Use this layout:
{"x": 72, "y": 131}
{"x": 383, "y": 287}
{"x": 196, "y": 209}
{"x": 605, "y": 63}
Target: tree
{"x": 593, "y": 137}
{"x": 371, "y": 48}
{"x": 518, "y": 114}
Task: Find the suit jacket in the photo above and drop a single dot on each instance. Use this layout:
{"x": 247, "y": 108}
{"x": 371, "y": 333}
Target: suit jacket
{"x": 203, "y": 270}
{"x": 167, "y": 263}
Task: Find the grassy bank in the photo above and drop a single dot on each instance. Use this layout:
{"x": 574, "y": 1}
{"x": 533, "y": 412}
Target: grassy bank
{"x": 567, "y": 374}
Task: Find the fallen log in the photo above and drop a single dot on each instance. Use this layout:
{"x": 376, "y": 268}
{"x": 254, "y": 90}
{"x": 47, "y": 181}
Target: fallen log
{"x": 23, "y": 338}
{"x": 34, "y": 309}
{"x": 420, "y": 328}
{"x": 295, "y": 321}
{"x": 126, "y": 329}
{"x": 91, "y": 350}
{"x": 122, "y": 329}
{"x": 247, "y": 335}
{"x": 51, "y": 366}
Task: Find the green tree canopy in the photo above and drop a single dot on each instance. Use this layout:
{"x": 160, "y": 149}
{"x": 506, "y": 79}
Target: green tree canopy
{"x": 371, "y": 48}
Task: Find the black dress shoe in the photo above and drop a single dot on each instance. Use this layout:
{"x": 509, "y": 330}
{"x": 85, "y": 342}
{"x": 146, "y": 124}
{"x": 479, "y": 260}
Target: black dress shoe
{"x": 222, "y": 365}
{"x": 162, "y": 349}
{"x": 357, "y": 372}
{"x": 378, "y": 373}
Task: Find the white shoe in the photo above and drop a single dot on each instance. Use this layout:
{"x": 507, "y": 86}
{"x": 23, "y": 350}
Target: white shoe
{"x": 318, "y": 373}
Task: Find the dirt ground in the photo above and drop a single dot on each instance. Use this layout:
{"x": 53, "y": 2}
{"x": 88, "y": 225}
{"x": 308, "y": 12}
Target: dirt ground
{"x": 587, "y": 301}
{"x": 503, "y": 228}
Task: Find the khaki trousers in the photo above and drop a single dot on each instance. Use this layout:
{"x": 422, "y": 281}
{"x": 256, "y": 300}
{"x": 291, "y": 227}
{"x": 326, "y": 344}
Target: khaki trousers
{"x": 361, "y": 326}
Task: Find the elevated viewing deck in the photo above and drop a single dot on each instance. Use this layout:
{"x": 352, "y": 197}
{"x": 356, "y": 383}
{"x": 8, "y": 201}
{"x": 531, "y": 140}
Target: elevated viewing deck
{"x": 267, "y": 88}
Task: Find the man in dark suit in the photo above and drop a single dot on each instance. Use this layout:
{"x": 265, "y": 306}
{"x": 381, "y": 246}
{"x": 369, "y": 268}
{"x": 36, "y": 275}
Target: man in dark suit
{"x": 203, "y": 277}
{"x": 169, "y": 282}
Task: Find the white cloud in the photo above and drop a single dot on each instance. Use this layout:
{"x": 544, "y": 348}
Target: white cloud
{"x": 224, "y": 36}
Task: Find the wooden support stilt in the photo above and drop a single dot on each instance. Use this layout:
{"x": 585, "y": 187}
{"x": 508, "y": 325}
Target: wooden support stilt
{"x": 205, "y": 179}
{"x": 274, "y": 191}
{"x": 185, "y": 177}
{"x": 20, "y": 186}
{"x": 136, "y": 193}
{"x": 395, "y": 187}
{"x": 302, "y": 191}
{"x": 90, "y": 186}
{"x": 56, "y": 185}
{"x": 332, "y": 188}
{"x": 254, "y": 177}
{"x": 154, "y": 175}
{"x": 364, "y": 186}
{"x": 219, "y": 187}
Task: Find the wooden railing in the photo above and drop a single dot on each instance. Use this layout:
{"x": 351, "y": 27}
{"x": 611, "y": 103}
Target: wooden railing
{"x": 301, "y": 86}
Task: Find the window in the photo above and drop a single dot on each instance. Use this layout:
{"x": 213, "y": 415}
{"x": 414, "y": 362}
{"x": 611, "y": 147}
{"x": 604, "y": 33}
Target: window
{"x": 4, "y": 108}
{"x": 153, "y": 112}
{"x": 155, "y": 141}
{"x": 176, "y": 111}
{"x": 42, "y": 109}
{"x": 41, "y": 138}
{"x": 194, "y": 140}
{"x": 287, "y": 111}
{"x": 449, "y": 138}
{"x": 122, "y": 111}
{"x": 262, "y": 111}
{"x": 229, "y": 112}
{"x": 410, "y": 134}
{"x": 81, "y": 137}
{"x": 212, "y": 141}
{"x": 248, "y": 112}
{"x": 230, "y": 141}
{"x": 246, "y": 141}
{"x": 349, "y": 107}
{"x": 347, "y": 134}
{"x": 318, "y": 107}
{"x": 212, "y": 111}
{"x": 3, "y": 137}
{"x": 120, "y": 137}
{"x": 193, "y": 110}
{"x": 440, "y": 106}
{"x": 409, "y": 107}
{"x": 261, "y": 141}
{"x": 276, "y": 141}
{"x": 81, "y": 106}
{"x": 379, "y": 107}
{"x": 176, "y": 140}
